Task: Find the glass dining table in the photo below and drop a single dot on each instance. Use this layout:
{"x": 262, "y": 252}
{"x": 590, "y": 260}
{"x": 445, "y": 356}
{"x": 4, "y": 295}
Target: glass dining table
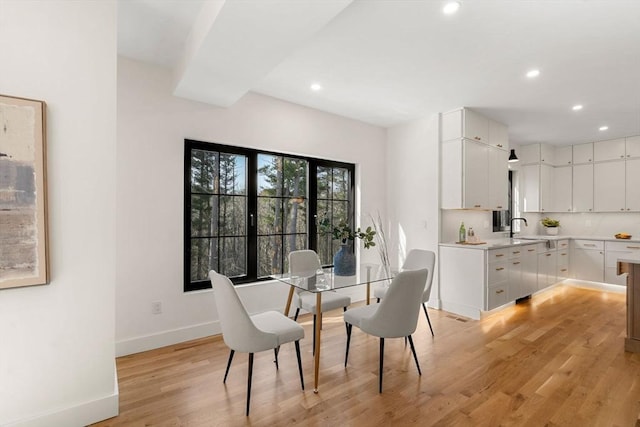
{"x": 324, "y": 280}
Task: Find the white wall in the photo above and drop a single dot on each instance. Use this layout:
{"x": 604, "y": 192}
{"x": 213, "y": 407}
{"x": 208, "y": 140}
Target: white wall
{"x": 56, "y": 341}
{"x": 413, "y": 157}
{"x": 152, "y": 126}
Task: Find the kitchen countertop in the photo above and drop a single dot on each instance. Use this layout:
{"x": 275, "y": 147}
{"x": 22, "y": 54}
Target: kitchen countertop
{"x": 529, "y": 240}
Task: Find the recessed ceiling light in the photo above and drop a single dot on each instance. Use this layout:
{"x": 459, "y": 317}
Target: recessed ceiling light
{"x": 533, "y": 73}
{"x": 451, "y": 7}
{"x": 603, "y": 128}
{"x": 316, "y": 87}
{"x": 576, "y": 107}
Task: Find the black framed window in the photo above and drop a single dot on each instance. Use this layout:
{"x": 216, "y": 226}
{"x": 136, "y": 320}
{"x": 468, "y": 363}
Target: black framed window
{"x": 245, "y": 210}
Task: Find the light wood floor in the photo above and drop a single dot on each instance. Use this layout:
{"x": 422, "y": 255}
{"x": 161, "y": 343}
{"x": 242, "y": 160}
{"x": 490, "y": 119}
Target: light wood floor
{"x": 557, "y": 360}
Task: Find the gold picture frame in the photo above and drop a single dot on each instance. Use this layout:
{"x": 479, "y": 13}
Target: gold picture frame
{"x": 24, "y": 251}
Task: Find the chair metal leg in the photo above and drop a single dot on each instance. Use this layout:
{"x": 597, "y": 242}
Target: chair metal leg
{"x": 295, "y": 317}
{"x": 346, "y": 354}
{"x": 228, "y": 365}
{"x": 426, "y": 313}
{"x": 297, "y": 343}
{"x": 313, "y": 352}
{"x": 249, "y": 381}
{"x": 381, "y": 363}
{"x": 415, "y": 357}
{"x": 275, "y": 352}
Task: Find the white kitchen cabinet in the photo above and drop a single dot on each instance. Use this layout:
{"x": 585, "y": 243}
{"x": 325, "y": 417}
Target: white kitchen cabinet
{"x": 546, "y": 188}
{"x": 529, "y": 154}
{"x": 547, "y": 259}
{"x": 498, "y": 179}
{"x": 562, "y": 186}
{"x": 563, "y": 263}
{"x": 587, "y": 260}
{"x": 583, "y": 153}
{"x": 476, "y": 280}
{"x": 615, "y": 251}
{"x": 563, "y": 156}
{"x": 609, "y": 186}
{"x": 465, "y": 123}
{"x": 498, "y": 135}
{"x": 465, "y": 179}
{"x": 633, "y": 185}
{"x": 613, "y": 149}
{"x": 536, "y": 187}
{"x": 547, "y": 154}
{"x": 582, "y": 188}
{"x": 632, "y": 144}
{"x": 530, "y": 187}
{"x": 475, "y": 176}
{"x": 529, "y": 260}
{"x": 476, "y": 126}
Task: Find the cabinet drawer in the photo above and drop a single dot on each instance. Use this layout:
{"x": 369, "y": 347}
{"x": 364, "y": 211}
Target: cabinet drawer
{"x": 563, "y": 244}
{"x": 497, "y": 255}
{"x": 589, "y": 244}
{"x": 563, "y": 256}
{"x": 516, "y": 252}
{"x": 529, "y": 249}
{"x": 497, "y": 296}
{"x": 622, "y": 246}
{"x": 611, "y": 257}
{"x": 498, "y": 272}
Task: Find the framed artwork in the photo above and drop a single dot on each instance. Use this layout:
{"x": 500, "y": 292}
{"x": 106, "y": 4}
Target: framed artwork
{"x": 23, "y": 193}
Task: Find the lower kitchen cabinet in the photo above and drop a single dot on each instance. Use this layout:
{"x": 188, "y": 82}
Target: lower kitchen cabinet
{"x": 587, "y": 260}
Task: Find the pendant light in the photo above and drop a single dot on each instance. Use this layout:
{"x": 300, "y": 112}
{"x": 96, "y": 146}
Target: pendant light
{"x": 512, "y": 156}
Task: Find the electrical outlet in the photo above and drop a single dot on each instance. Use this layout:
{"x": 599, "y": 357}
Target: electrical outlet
{"x": 156, "y": 307}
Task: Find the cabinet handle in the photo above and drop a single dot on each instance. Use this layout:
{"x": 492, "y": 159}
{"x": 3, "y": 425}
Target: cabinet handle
{"x": 589, "y": 159}
{"x": 569, "y": 162}
{"x": 477, "y": 206}
{"x": 516, "y": 252}
{"x": 516, "y": 263}
{"x": 622, "y": 156}
{"x": 590, "y": 245}
{"x": 628, "y": 155}
{"x": 500, "y": 145}
{"x": 628, "y": 209}
{"x": 547, "y": 255}
{"x": 621, "y": 209}
{"x": 477, "y": 138}
{"x": 590, "y": 209}
{"x": 500, "y": 291}
{"x": 499, "y": 207}
{"x": 499, "y": 255}
{"x": 499, "y": 268}
{"x": 633, "y": 247}
{"x": 563, "y": 254}
{"x": 563, "y": 269}
{"x": 530, "y": 250}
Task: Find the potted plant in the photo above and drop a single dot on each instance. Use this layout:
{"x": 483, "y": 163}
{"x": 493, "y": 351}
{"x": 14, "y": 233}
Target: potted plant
{"x": 344, "y": 261}
{"x": 550, "y": 225}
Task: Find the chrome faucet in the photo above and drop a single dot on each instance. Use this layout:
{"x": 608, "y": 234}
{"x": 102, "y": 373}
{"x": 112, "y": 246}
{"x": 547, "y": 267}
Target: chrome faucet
{"x": 511, "y": 228}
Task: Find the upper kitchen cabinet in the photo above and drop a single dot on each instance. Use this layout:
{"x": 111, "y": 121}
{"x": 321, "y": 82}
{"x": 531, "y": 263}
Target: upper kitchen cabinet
{"x": 466, "y": 123}
{"x": 632, "y": 144}
{"x": 498, "y": 135}
{"x": 583, "y": 188}
{"x": 474, "y": 162}
{"x": 547, "y": 154}
{"x": 609, "y": 186}
{"x": 563, "y": 156}
{"x": 465, "y": 174}
{"x": 583, "y": 153}
{"x": 529, "y": 154}
{"x": 613, "y": 149}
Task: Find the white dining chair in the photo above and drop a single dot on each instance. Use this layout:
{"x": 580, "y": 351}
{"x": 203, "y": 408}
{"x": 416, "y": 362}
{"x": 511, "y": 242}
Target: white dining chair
{"x": 416, "y": 259}
{"x": 305, "y": 261}
{"x": 251, "y": 334}
{"x": 395, "y": 317}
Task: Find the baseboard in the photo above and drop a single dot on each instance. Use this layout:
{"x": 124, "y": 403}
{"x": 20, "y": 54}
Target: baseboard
{"x": 165, "y": 338}
{"x": 461, "y": 310}
{"x": 79, "y": 415}
{"x": 620, "y": 289}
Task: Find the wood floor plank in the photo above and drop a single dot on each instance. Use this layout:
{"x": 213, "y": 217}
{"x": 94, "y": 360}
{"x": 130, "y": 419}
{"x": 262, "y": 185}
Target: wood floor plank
{"x": 555, "y": 360}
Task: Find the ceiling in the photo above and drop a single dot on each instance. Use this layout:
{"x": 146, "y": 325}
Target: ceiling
{"x": 386, "y": 62}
